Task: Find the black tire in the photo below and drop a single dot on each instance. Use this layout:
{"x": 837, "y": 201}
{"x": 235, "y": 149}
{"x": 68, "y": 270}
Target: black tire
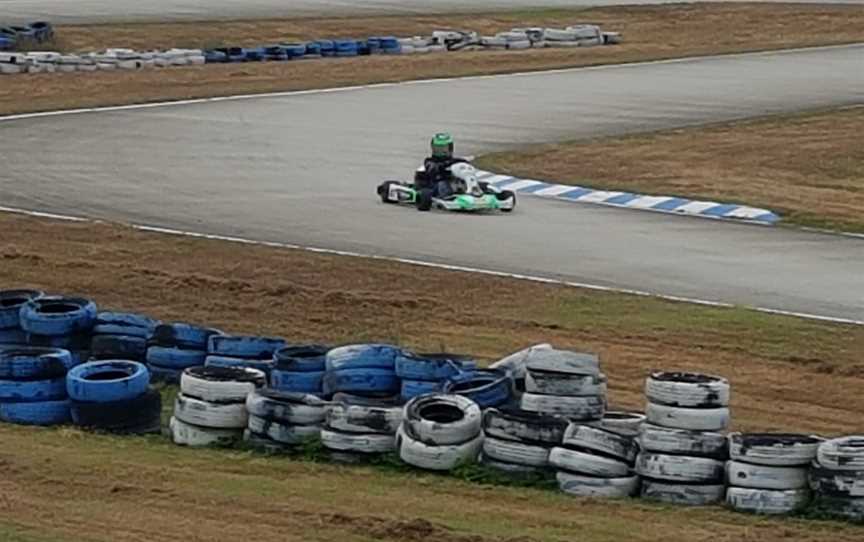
{"x": 138, "y": 415}
{"x": 424, "y": 200}
{"x": 505, "y": 195}
{"x": 384, "y": 192}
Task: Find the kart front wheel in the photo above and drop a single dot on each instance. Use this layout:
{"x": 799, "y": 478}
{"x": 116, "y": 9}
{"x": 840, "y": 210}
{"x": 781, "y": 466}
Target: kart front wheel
{"x": 384, "y": 191}
{"x": 504, "y": 195}
{"x": 424, "y": 199}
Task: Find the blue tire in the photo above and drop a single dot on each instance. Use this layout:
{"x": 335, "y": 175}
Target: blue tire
{"x": 124, "y": 323}
{"x": 183, "y": 335}
{"x": 164, "y": 374}
{"x": 362, "y": 356}
{"x": 12, "y": 337}
{"x": 244, "y": 347}
{"x": 79, "y": 341}
{"x": 296, "y": 50}
{"x": 413, "y": 388}
{"x": 361, "y": 381}
{"x": 175, "y": 358}
{"x": 326, "y": 47}
{"x": 345, "y": 48}
{"x": 265, "y": 365}
{"x": 305, "y": 382}
{"x": 11, "y": 302}
{"x": 41, "y": 413}
{"x": 212, "y": 56}
{"x": 106, "y": 381}
{"x": 390, "y": 45}
{"x": 32, "y": 391}
{"x": 302, "y": 359}
{"x": 7, "y": 43}
{"x": 57, "y": 316}
{"x": 118, "y": 347}
{"x": 486, "y": 387}
{"x": 429, "y": 366}
{"x": 312, "y": 49}
{"x": 33, "y": 363}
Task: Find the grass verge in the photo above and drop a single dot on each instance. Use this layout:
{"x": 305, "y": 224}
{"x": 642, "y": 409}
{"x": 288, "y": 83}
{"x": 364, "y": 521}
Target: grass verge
{"x": 650, "y": 33}
{"x": 808, "y": 167}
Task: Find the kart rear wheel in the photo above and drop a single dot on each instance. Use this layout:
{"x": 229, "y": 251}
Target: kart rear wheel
{"x": 424, "y": 199}
{"x": 384, "y": 192}
{"x": 505, "y": 195}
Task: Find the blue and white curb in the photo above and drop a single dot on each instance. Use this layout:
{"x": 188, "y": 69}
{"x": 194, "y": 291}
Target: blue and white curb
{"x": 663, "y": 204}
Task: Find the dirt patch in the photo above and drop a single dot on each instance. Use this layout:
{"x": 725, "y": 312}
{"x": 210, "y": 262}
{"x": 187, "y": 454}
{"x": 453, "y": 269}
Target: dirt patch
{"x": 650, "y": 33}
{"x": 807, "y": 167}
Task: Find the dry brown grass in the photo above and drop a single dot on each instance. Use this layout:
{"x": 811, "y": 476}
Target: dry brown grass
{"x": 808, "y": 167}
{"x": 650, "y": 32}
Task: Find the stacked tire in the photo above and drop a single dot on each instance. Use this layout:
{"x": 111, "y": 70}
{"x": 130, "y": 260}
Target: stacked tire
{"x": 837, "y": 477}
{"x": 517, "y": 442}
{"x": 299, "y": 369}
{"x": 365, "y": 370}
{"x": 683, "y": 450}
{"x": 60, "y": 322}
{"x": 428, "y": 373}
{"x": 488, "y": 388}
{"x": 33, "y": 385}
{"x": 118, "y": 335}
{"x": 242, "y": 351}
{"x": 768, "y": 472}
{"x": 358, "y": 428}
{"x": 114, "y": 396}
{"x": 281, "y": 420}
{"x": 595, "y": 462}
{"x": 440, "y": 432}
{"x": 211, "y": 406}
{"x": 11, "y": 301}
{"x": 563, "y": 383}
{"x": 174, "y": 347}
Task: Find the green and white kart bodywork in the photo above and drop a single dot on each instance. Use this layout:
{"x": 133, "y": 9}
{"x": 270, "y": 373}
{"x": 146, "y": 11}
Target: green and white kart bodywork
{"x": 469, "y": 194}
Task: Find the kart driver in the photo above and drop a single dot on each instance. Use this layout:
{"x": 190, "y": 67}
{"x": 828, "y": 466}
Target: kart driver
{"x": 436, "y": 173}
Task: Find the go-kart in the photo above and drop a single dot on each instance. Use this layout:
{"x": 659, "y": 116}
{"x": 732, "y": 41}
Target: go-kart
{"x": 469, "y": 194}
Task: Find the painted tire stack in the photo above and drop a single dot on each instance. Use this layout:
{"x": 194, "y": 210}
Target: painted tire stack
{"x": 211, "y": 406}
{"x": 358, "y": 428}
{"x": 366, "y": 370}
{"x": 299, "y": 369}
{"x": 175, "y": 347}
{"x": 567, "y": 384}
{"x": 595, "y": 462}
{"x": 118, "y": 335}
{"x": 683, "y": 452}
{"x": 33, "y": 385}
{"x": 768, "y": 472}
{"x": 489, "y": 388}
{"x": 428, "y": 373}
{"x": 114, "y": 396}
{"x": 11, "y": 301}
{"x": 242, "y": 351}
{"x": 279, "y": 420}
{"x": 60, "y": 322}
{"x": 837, "y": 477}
{"x": 440, "y": 432}
{"x": 517, "y": 442}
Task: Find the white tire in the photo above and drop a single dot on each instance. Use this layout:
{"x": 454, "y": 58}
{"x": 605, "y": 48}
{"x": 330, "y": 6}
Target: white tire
{"x": 283, "y": 433}
{"x": 611, "y": 38}
{"x": 555, "y": 44}
{"x": 691, "y": 390}
{"x": 767, "y": 501}
{"x": 221, "y": 385}
{"x": 516, "y": 363}
{"x": 573, "y": 408}
{"x": 773, "y": 449}
{"x": 556, "y": 34}
{"x": 291, "y": 408}
{"x": 363, "y": 419}
{"x": 679, "y": 468}
{"x": 551, "y": 383}
{"x": 761, "y": 477}
{"x": 441, "y": 458}
{"x": 621, "y": 422}
{"x": 515, "y": 452}
{"x": 585, "y": 31}
{"x": 508, "y": 468}
{"x": 522, "y": 426}
{"x": 601, "y": 440}
{"x": 518, "y": 45}
{"x": 654, "y": 438}
{"x": 513, "y": 35}
{"x": 191, "y": 435}
{"x": 493, "y": 41}
{"x": 354, "y": 442}
{"x": 586, "y": 463}
{"x": 837, "y": 484}
{"x": 845, "y": 453}
{"x": 694, "y": 419}
{"x": 563, "y": 361}
{"x": 591, "y": 486}
{"x": 439, "y": 419}
{"x": 213, "y": 415}
{"x": 682, "y": 494}
{"x": 848, "y": 508}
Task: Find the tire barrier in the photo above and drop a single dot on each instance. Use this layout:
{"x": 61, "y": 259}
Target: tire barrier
{"x": 33, "y": 385}
{"x": 173, "y": 347}
{"x": 11, "y": 302}
{"x": 59, "y": 322}
{"x": 486, "y": 387}
{"x": 138, "y": 415}
{"x": 837, "y": 477}
{"x": 440, "y": 432}
{"x": 356, "y": 432}
{"x": 597, "y": 462}
{"x": 428, "y": 373}
{"x": 112, "y": 59}
{"x": 563, "y": 383}
{"x": 299, "y": 369}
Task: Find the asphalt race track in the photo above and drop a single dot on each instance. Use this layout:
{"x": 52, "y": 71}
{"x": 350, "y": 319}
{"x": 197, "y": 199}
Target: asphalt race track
{"x": 302, "y": 169}
{"x": 78, "y": 11}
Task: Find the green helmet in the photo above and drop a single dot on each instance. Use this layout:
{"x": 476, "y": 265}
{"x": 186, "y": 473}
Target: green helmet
{"x": 442, "y": 145}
